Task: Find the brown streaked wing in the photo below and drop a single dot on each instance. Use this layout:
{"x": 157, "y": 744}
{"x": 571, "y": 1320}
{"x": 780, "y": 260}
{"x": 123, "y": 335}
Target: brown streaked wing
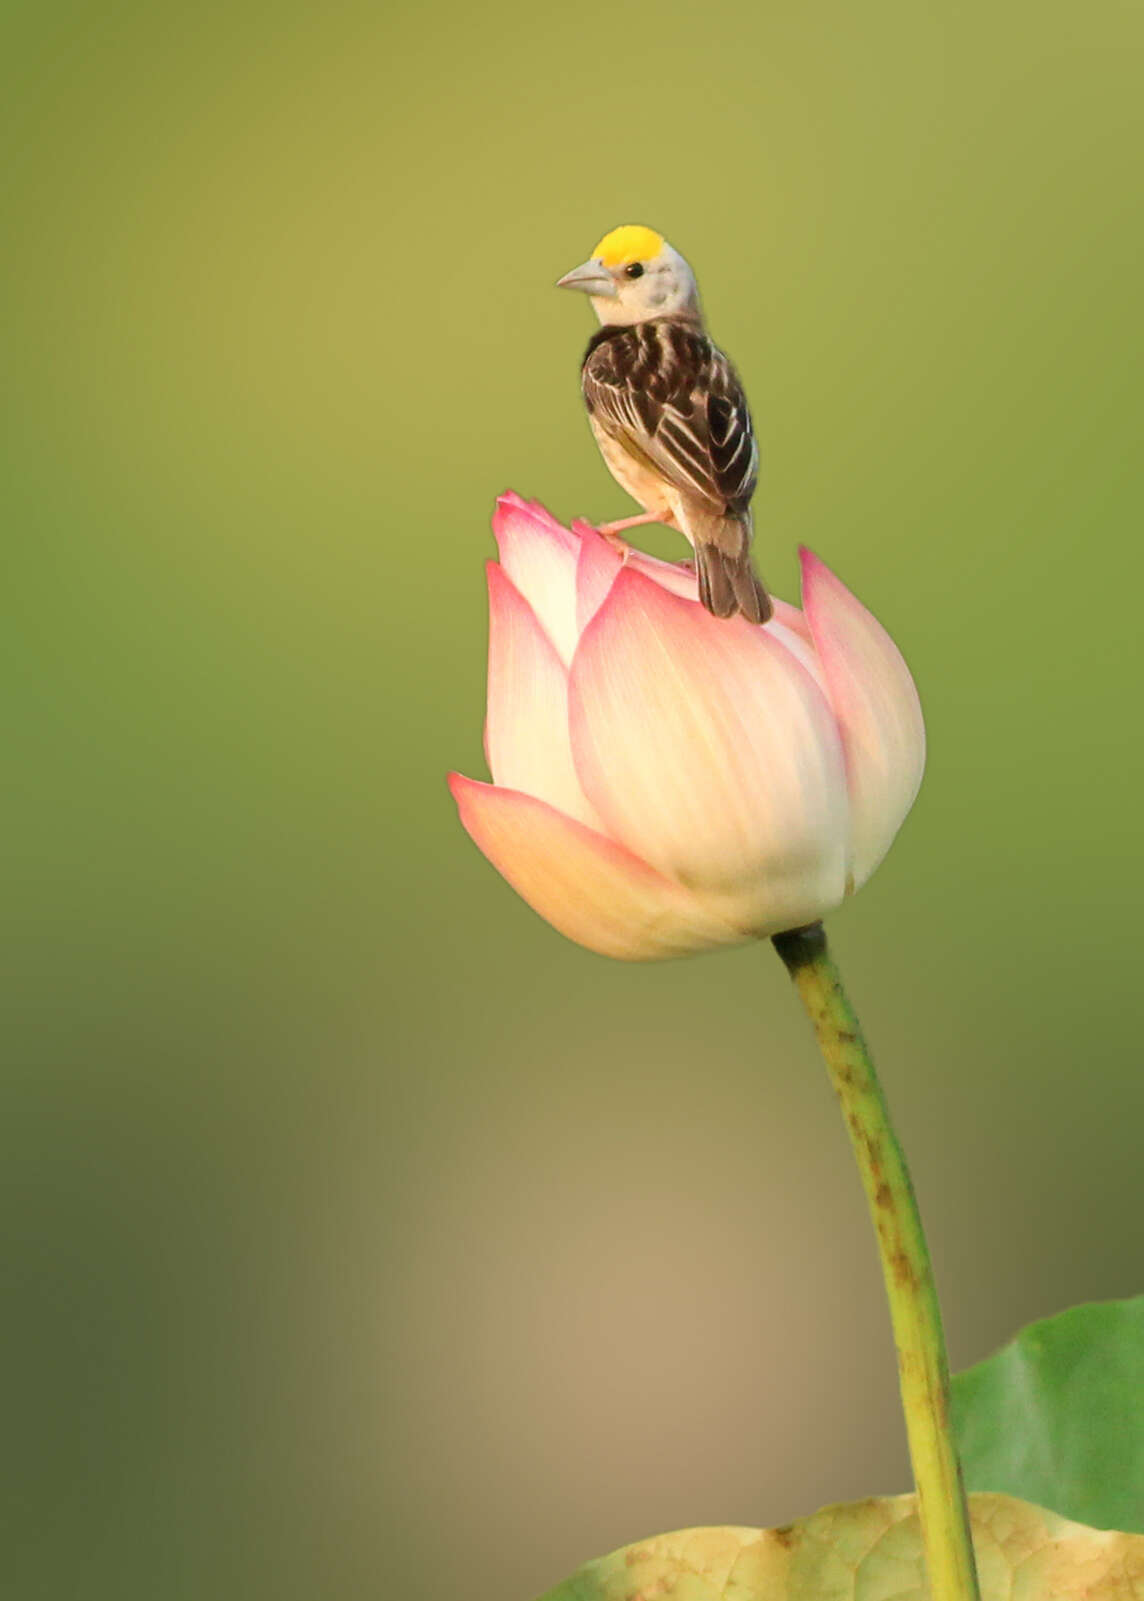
{"x": 665, "y": 391}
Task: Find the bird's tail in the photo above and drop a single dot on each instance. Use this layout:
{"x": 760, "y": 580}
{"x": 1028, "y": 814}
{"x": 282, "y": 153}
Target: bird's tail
{"x": 728, "y": 582}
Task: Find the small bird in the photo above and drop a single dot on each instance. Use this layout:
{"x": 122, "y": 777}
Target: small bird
{"x": 669, "y": 413}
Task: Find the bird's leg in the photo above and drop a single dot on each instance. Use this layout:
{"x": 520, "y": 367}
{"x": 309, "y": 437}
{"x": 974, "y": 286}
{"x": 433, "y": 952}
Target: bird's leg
{"x": 607, "y": 529}
{"x": 612, "y": 531}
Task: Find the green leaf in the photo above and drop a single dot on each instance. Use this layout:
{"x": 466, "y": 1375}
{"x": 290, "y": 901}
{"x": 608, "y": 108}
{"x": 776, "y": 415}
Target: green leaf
{"x": 868, "y": 1551}
{"x": 1057, "y": 1417}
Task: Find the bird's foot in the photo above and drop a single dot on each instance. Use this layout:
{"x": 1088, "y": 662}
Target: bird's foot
{"x": 611, "y": 531}
{"x": 620, "y": 546}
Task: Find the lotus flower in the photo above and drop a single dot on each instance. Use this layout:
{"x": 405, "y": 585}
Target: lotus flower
{"x": 667, "y": 782}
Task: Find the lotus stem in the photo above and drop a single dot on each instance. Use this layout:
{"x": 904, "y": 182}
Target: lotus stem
{"x": 923, "y": 1369}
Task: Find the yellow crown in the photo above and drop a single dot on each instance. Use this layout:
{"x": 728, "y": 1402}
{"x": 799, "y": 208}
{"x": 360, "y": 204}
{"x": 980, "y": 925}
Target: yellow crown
{"x": 629, "y": 243}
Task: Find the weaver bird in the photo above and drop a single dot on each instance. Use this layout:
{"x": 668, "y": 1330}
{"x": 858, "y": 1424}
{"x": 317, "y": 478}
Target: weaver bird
{"x": 669, "y": 413}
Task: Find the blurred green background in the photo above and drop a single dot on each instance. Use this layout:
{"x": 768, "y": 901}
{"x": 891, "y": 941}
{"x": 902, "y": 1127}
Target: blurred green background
{"x": 364, "y": 1238}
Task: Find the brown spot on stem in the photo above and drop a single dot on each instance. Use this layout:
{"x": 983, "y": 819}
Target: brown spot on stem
{"x": 903, "y": 1271}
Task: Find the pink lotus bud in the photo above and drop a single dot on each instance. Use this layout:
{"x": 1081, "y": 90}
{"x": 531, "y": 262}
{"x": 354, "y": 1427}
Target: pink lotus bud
{"x": 665, "y": 781}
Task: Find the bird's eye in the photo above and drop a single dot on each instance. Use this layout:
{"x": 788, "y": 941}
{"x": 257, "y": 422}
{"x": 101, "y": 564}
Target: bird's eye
{"x": 635, "y": 270}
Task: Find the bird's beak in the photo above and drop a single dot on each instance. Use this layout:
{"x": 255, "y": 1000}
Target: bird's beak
{"x": 593, "y": 278}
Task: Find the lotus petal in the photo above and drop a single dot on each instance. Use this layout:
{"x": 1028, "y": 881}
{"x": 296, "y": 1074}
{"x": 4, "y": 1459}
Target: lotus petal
{"x": 539, "y": 555}
{"x": 526, "y": 729}
{"x": 877, "y": 708}
{"x": 588, "y": 887}
{"x": 706, "y": 747}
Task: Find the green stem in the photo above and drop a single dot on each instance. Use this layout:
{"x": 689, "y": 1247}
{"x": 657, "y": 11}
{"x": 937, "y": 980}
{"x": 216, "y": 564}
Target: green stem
{"x": 922, "y": 1367}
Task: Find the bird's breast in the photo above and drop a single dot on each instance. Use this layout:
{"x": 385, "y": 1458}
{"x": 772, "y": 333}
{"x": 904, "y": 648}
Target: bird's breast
{"x": 634, "y": 475}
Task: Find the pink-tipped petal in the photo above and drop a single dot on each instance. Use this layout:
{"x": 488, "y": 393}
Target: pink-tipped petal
{"x": 878, "y": 711}
{"x": 595, "y": 572}
{"x": 511, "y": 505}
{"x": 708, "y": 749}
{"x": 587, "y": 886}
{"x": 539, "y": 555}
{"x": 794, "y": 619}
{"x": 600, "y": 561}
{"x": 526, "y": 729}
{"x": 676, "y": 578}
{"x": 797, "y": 647}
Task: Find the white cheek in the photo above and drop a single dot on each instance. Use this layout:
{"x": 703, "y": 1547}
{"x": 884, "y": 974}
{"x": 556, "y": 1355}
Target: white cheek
{"x": 626, "y": 308}
{"x": 666, "y": 293}
{"x": 656, "y": 294}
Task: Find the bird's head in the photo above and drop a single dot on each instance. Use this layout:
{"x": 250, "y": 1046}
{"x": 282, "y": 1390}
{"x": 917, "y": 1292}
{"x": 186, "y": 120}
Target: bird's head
{"x": 632, "y": 275}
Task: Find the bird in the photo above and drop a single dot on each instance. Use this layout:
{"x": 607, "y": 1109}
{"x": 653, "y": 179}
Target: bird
{"x": 669, "y": 413}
